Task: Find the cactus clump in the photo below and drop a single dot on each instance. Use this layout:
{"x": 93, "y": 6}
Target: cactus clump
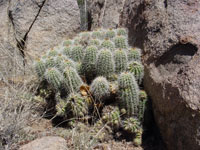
{"x": 100, "y": 88}
{"x": 134, "y": 54}
{"x": 54, "y": 77}
{"x": 128, "y": 93}
{"x": 121, "y": 60}
{"x": 137, "y": 69}
{"x": 95, "y": 78}
{"x": 105, "y": 63}
{"x": 120, "y": 42}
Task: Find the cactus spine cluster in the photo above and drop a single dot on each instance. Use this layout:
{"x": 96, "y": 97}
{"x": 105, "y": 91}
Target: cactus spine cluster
{"x": 97, "y": 68}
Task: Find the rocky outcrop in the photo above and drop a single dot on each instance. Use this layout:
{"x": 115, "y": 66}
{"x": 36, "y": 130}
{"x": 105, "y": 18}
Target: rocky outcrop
{"x": 31, "y": 27}
{"x": 169, "y": 33}
{"x": 46, "y": 143}
{"x": 105, "y": 13}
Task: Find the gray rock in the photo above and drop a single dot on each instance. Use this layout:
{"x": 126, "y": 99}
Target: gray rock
{"x": 46, "y": 143}
{"x": 105, "y": 13}
{"x": 169, "y": 33}
{"x": 33, "y": 26}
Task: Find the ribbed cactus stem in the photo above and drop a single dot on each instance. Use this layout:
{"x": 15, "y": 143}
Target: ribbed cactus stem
{"x": 137, "y": 70}
{"x": 121, "y": 60}
{"x": 121, "y": 42}
{"x": 54, "y": 77}
{"x": 134, "y": 54}
{"x": 97, "y": 35}
{"x": 100, "y": 88}
{"x": 50, "y": 62}
{"x": 110, "y": 34}
{"x": 122, "y": 32}
{"x": 40, "y": 67}
{"x": 94, "y": 42}
{"x": 67, "y": 42}
{"x": 72, "y": 80}
{"x": 142, "y": 104}
{"x": 128, "y": 93}
{"x": 107, "y": 44}
{"x": 77, "y": 53}
{"x": 67, "y": 51}
{"x": 52, "y": 52}
{"x": 105, "y": 63}
{"x": 89, "y": 60}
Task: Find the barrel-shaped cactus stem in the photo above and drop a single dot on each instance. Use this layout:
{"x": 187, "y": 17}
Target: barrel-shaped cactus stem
{"x": 134, "y": 54}
{"x": 66, "y": 63}
{"x": 77, "y": 53}
{"x": 121, "y": 42}
{"x": 40, "y": 67}
{"x": 100, "y": 88}
{"x": 97, "y": 35}
{"x": 128, "y": 93}
{"x": 89, "y": 60}
{"x": 121, "y": 60}
{"x": 142, "y": 104}
{"x": 105, "y": 63}
{"x": 131, "y": 125}
{"x": 137, "y": 70}
{"x": 122, "y": 32}
{"x": 72, "y": 80}
{"x": 110, "y": 34}
{"x": 67, "y": 42}
{"x": 94, "y": 42}
{"x": 108, "y": 44}
{"x": 67, "y": 51}
{"x": 54, "y": 77}
{"x": 50, "y": 62}
{"x": 52, "y": 52}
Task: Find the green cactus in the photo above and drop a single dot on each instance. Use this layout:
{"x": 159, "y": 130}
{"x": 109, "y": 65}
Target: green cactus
{"x": 137, "y": 141}
{"x": 120, "y": 42}
{"x": 50, "y": 62}
{"x": 85, "y": 35}
{"x": 100, "y": 88}
{"x": 105, "y": 63}
{"x": 89, "y": 60}
{"x": 142, "y": 104}
{"x": 54, "y": 77}
{"x": 77, "y": 40}
{"x": 128, "y": 93}
{"x": 77, "y": 53}
{"x": 111, "y": 116}
{"x": 67, "y": 51}
{"x": 122, "y": 32}
{"x": 134, "y": 54}
{"x": 97, "y": 35}
{"x": 131, "y": 125}
{"x": 60, "y": 105}
{"x": 107, "y": 44}
{"x": 121, "y": 60}
{"x": 72, "y": 80}
{"x": 52, "y": 53}
{"x": 76, "y": 106}
{"x": 67, "y": 42}
{"x": 94, "y": 42}
{"x": 110, "y": 34}
{"x": 40, "y": 67}
{"x": 137, "y": 70}
{"x": 66, "y": 63}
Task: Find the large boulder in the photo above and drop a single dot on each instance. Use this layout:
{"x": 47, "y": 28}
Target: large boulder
{"x": 169, "y": 33}
{"x": 46, "y": 143}
{"x": 30, "y": 27}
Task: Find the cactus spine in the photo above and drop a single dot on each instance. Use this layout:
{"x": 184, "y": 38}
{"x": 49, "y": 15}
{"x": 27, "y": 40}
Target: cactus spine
{"x": 121, "y": 60}
{"x": 105, "y": 63}
{"x": 77, "y": 53}
{"x": 40, "y": 67}
{"x": 134, "y": 54}
{"x": 107, "y": 44}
